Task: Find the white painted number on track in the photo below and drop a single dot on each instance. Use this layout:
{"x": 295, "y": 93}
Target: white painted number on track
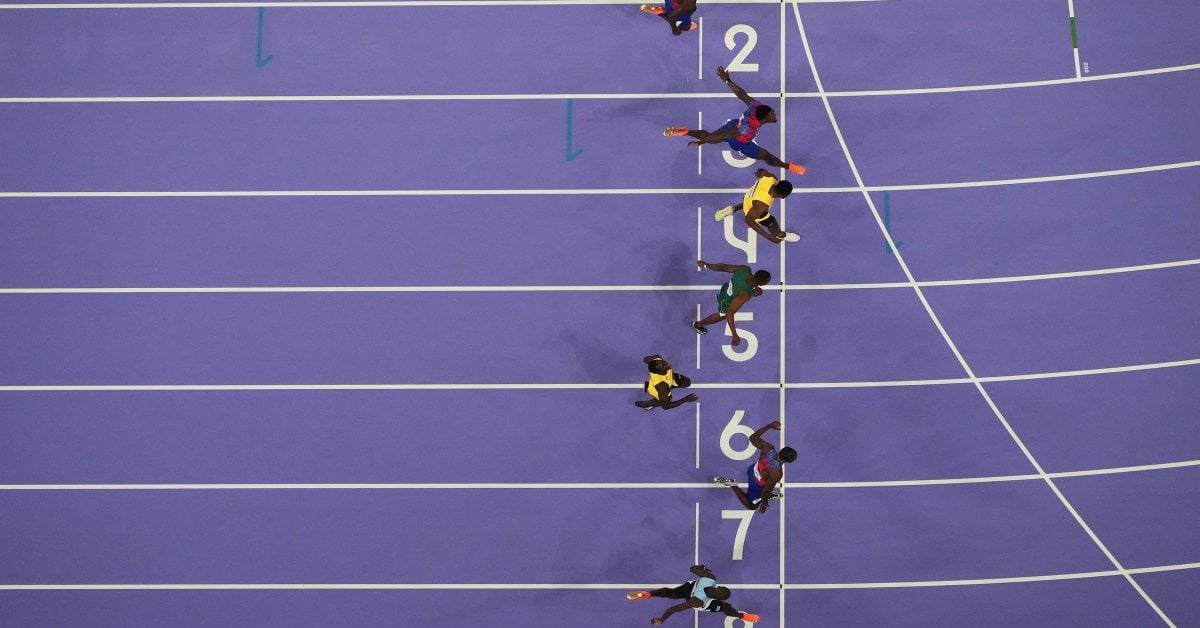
{"x": 749, "y": 346}
{"x": 735, "y": 428}
{"x": 739, "y": 65}
{"x": 739, "y": 61}
{"x": 736, "y": 160}
{"x": 739, "y": 539}
{"x": 749, "y": 246}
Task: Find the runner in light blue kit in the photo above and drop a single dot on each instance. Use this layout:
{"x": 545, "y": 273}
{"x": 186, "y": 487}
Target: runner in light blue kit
{"x": 702, "y": 594}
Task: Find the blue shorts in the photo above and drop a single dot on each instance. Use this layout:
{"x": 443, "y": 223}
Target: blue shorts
{"x": 683, "y": 20}
{"x": 749, "y": 149}
{"x": 754, "y": 491}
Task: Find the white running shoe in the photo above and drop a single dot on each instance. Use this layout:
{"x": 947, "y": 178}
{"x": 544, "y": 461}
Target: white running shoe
{"x": 722, "y": 214}
{"x": 725, "y": 481}
{"x": 791, "y": 237}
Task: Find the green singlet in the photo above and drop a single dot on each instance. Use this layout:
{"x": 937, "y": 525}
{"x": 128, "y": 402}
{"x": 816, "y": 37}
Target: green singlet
{"x": 739, "y": 284}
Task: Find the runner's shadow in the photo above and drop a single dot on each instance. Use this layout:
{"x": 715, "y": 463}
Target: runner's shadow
{"x": 675, "y": 308}
{"x": 600, "y": 362}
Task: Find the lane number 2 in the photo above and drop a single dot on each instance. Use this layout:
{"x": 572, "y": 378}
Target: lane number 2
{"x": 739, "y": 64}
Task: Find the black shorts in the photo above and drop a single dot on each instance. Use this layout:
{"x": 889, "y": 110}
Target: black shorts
{"x": 770, "y": 223}
{"x": 681, "y": 592}
{"x": 684, "y": 591}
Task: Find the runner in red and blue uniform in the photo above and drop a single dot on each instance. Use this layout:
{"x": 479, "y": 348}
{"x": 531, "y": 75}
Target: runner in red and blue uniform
{"x": 764, "y": 474}
{"x": 739, "y": 132}
{"x": 677, "y": 13}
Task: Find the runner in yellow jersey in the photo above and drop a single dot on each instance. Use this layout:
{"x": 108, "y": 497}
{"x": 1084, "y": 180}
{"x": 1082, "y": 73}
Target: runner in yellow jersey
{"x": 756, "y": 204}
{"x": 662, "y": 380}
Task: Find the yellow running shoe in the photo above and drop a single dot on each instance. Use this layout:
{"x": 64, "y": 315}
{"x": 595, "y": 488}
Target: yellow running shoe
{"x": 638, "y": 595}
{"x": 722, "y": 214}
{"x": 675, "y": 131}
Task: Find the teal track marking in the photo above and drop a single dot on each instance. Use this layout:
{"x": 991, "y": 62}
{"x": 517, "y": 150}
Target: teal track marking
{"x": 1074, "y": 38}
{"x": 571, "y": 154}
{"x": 887, "y": 222}
{"x": 259, "y": 60}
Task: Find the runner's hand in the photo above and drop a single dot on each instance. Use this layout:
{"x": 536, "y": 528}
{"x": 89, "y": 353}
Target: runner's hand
{"x": 722, "y": 74}
{"x": 775, "y": 425}
{"x": 700, "y": 264}
{"x": 691, "y": 397}
{"x": 694, "y": 143}
{"x": 656, "y": 621}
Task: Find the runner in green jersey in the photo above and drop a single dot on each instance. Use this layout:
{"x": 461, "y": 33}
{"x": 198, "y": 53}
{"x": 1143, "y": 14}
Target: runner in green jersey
{"x": 744, "y": 285}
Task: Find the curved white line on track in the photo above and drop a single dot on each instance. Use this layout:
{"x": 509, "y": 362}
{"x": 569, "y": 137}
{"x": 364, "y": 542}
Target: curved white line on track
{"x": 591, "y": 96}
{"x": 588, "y": 191}
{"x": 966, "y": 367}
{"x": 588, "y": 386}
{"x": 595, "y": 288}
{"x": 541, "y": 586}
{"x": 580, "y": 485}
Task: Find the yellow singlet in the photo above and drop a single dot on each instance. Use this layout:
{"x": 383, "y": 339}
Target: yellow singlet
{"x": 760, "y": 191}
{"x": 655, "y": 379}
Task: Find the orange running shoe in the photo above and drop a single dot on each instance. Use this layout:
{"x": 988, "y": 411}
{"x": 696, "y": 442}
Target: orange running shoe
{"x": 797, "y": 168}
{"x": 650, "y": 8}
{"x": 750, "y": 618}
{"x": 638, "y": 595}
{"x": 694, "y": 26}
{"x": 675, "y": 131}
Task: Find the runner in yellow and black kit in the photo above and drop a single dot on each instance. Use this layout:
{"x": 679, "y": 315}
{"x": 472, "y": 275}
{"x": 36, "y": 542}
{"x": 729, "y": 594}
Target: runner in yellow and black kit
{"x": 662, "y": 380}
{"x": 756, "y": 204}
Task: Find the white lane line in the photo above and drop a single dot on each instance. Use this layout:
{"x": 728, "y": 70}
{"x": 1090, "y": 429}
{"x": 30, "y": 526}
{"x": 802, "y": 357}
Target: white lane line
{"x": 700, "y": 55}
{"x": 954, "y": 348}
{"x": 597, "y": 96}
{"x": 539, "y": 586}
{"x": 598, "y": 288}
{"x": 589, "y": 191}
{"x": 1074, "y": 38}
{"x": 782, "y": 339}
{"x": 1181, "y": 464}
{"x": 593, "y": 386}
{"x": 370, "y": 3}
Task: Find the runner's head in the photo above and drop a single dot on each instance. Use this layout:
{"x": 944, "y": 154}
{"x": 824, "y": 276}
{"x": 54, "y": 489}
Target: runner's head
{"x": 764, "y": 114}
{"x": 659, "y": 365}
{"x": 761, "y": 278}
{"x": 781, "y": 189}
{"x": 787, "y": 454}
